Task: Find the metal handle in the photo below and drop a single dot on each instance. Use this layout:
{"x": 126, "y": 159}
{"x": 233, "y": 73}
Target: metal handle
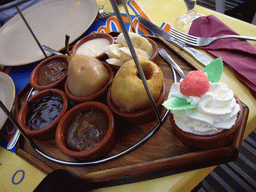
{"x": 46, "y": 48}
{"x": 171, "y": 62}
{"x": 17, "y": 125}
{"x": 13, "y": 140}
{"x": 237, "y": 37}
{"x": 135, "y": 58}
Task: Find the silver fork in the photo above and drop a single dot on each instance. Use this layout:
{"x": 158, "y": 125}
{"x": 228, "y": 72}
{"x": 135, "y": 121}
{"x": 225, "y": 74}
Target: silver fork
{"x": 203, "y": 41}
{"x": 102, "y": 14}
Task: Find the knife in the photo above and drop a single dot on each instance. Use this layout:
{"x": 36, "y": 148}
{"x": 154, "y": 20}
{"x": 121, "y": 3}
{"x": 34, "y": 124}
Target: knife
{"x": 199, "y": 56}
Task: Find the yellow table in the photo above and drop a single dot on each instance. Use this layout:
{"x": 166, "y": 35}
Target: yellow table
{"x": 18, "y": 175}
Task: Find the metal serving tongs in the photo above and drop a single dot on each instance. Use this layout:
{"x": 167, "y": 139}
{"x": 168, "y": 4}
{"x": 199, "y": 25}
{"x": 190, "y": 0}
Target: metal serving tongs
{"x": 134, "y": 55}
{"x": 17, "y": 125}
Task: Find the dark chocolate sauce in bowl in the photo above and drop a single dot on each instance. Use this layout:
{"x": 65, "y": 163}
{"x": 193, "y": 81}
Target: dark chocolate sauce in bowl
{"x": 43, "y": 112}
{"x": 86, "y": 130}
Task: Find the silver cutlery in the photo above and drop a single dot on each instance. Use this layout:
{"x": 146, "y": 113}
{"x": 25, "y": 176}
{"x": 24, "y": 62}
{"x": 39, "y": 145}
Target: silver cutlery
{"x": 102, "y": 14}
{"x": 16, "y": 135}
{"x": 46, "y": 48}
{"x": 199, "y": 56}
{"x": 203, "y": 41}
{"x": 171, "y": 62}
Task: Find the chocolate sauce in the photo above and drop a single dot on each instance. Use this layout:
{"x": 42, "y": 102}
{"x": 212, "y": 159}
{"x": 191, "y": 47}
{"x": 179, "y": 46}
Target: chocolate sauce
{"x": 43, "y": 112}
{"x": 86, "y": 130}
{"x": 52, "y": 72}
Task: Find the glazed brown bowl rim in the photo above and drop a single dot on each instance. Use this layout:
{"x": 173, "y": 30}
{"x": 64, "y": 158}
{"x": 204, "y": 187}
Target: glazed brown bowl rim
{"x": 95, "y": 95}
{"x": 64, "y": 123}
{"x": 34, "y": 73}
{"x": 24, "y": 110}
{"x": 137, "y": 113}
{"x": 215, "y": 136}
{"x": 155, "y": 49}
{"x": 93, "y": 35}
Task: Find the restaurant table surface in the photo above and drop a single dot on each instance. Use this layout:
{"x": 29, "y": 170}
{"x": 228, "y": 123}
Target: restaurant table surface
{"x": 13, "y": 169}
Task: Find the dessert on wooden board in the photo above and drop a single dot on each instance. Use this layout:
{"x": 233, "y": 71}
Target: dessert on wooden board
{"x": 202, "y": 106}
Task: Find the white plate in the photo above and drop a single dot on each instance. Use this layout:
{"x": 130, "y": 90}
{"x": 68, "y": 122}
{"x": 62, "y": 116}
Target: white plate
{"x": 50, "y": 21}
{"x": 7, "y": 95}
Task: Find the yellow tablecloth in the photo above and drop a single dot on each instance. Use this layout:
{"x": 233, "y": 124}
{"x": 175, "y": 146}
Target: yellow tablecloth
{"x": 17, "y": 175}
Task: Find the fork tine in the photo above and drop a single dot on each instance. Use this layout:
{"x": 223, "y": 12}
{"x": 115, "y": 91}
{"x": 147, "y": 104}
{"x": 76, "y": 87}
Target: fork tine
{"x": 102, "y": 14}
{"x": 183, "y": 39}
{"x": 185, "y": 34}
{"x": 186, "y": 38}
{"x": 202, "y": 41}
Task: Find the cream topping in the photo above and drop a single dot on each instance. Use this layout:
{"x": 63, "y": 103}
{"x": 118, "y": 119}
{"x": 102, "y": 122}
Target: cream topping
{"x": 217, "y": 110}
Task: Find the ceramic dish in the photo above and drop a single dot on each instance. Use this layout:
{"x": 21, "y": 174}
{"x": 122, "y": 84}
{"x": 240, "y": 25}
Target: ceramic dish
{"x": 7, "y": 95}
{"x": 34, "y": 75}
{"x": 94, "y": 36}
{"x": 209, "y": 141}
{"x": 102, "y": 147}
{"x": 48, "y": 131}
{"x": 141, "y": 116}
{"x": 50, "y": 21}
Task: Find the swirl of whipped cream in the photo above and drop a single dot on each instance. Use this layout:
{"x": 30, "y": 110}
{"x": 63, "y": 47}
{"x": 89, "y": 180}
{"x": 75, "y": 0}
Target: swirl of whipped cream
{"x": 217, "y": 110}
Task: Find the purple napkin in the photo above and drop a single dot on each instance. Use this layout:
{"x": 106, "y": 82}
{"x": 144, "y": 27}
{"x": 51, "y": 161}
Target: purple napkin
{"x": 239, "y": 55}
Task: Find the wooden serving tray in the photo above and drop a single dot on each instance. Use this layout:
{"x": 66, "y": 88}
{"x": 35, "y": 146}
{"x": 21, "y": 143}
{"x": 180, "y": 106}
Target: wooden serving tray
{"x": 163, "y": 154}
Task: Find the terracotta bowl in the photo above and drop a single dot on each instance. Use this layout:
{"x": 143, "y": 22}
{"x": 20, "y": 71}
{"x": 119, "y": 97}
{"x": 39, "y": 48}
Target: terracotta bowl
{"x": 48, "y": 131}
{"x": 94, "y": 96}
{"x": 101, "y": 148}
{"x": 35, "y": 72}
{"x": 94, "y": 35}
{"x": 154, "y": 56}
{"x": 209, "y": 141}
{"x": 141, "y": 116}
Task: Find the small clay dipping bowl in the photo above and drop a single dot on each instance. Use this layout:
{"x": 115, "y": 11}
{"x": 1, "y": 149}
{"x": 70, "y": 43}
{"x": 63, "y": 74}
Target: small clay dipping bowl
{"x": 48, "y": 131}
{"x": 95, "y": 95}
{"x": 138, "y": 117}
{"x": 100, "y": 148}
{"x": 56, "y": 62}
{"x": 209, "y": 141}
{"x": 94, "y": 36}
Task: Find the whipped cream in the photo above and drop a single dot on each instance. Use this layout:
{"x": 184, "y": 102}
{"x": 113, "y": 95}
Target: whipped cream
{"x": 217, "y": 110}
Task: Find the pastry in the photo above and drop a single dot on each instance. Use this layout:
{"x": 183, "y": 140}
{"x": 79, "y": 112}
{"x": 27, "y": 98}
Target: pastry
{"x": 128, "y": 92}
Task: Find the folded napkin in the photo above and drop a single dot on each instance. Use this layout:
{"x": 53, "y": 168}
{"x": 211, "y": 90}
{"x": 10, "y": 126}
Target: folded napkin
{"x": 239, "y": 55}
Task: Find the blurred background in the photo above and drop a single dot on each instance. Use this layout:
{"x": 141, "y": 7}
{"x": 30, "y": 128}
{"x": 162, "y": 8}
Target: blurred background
{"x": 241, "y": 9}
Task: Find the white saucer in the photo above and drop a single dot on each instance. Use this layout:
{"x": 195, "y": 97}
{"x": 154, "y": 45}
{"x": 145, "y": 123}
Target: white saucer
{"x": 50, "y": 21}
{"x": 7, "y": 95}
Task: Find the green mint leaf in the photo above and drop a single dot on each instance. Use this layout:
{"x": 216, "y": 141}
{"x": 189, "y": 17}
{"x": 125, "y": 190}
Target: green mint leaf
{"x": 214, "y": 70}
{"x": 177, "y": 103}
